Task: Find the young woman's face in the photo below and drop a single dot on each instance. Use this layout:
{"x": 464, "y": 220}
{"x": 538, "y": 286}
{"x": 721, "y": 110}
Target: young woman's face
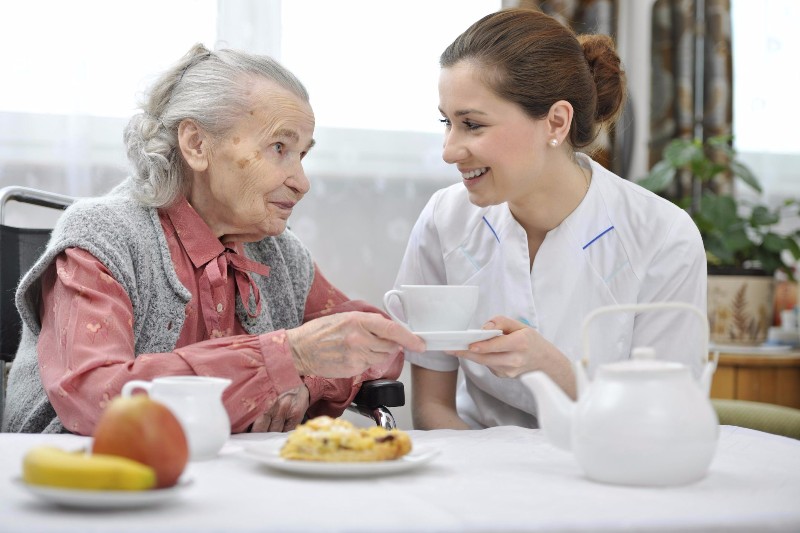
{"x": 255, "y": 174}
{"x": 496, "y": 146}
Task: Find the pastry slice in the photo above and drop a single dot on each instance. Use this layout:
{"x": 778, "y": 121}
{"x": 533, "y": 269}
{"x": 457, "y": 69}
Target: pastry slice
{"x": 335, "y": 440}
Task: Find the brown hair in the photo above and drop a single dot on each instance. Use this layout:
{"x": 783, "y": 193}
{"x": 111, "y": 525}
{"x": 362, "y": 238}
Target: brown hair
{"x": 531, "y": 59}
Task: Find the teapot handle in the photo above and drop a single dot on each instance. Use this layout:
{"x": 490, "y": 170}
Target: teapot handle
{"x": 644, "y": 307}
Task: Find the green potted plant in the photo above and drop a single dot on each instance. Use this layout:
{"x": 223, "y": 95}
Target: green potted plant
{"x": 743, "y": 246}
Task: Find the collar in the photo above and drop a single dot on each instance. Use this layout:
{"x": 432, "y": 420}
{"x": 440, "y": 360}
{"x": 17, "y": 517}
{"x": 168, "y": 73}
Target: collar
{"x": 195, "y": 236}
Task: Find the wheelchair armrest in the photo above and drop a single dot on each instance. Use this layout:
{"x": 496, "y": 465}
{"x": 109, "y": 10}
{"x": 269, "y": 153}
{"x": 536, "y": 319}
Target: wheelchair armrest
{"x": 380, "y": 393}
{"x": 374, "y": 399}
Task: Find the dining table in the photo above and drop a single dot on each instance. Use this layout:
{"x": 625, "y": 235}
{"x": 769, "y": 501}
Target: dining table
{"x": 498, "y": 479}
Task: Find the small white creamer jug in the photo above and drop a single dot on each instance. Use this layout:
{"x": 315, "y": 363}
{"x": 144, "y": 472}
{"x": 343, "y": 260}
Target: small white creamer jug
{"x": 196, "y": 401}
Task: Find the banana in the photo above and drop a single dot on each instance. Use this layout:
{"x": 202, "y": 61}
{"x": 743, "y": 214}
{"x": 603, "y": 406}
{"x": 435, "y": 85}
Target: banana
{"x": 54, "y": 467}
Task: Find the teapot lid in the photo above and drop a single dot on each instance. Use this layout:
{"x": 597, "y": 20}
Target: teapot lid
{"x": 643, "y": 360}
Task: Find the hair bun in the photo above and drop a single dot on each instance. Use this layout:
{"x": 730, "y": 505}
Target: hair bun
{"x": 609, "y": 78}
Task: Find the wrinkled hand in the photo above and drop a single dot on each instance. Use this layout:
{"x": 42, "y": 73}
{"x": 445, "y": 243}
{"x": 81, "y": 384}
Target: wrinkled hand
{"x": 285, "y": 413}
{"x": 520, "y": 349}
{"x": 346, "y": 344}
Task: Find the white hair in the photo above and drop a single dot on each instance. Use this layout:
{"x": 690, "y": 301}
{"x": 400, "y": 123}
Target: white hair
{"x": 207, "y": 87}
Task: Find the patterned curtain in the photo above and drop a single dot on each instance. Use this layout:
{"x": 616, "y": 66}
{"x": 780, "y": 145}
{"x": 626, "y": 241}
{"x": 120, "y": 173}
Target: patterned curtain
{"x": 593, "y": 16}
{"x": 691, "y": 76}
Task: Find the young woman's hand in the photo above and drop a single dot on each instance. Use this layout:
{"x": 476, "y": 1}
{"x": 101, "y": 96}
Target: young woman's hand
{"x": 519, "y": 350}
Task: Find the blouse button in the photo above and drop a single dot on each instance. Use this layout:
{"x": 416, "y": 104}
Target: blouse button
{"x": 219, "y": 308}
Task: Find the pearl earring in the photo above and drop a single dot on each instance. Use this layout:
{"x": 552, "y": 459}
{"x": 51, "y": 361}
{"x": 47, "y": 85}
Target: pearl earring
{"x": 554, "y": 142}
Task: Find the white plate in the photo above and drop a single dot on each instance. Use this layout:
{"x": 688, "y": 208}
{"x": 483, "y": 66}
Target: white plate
{"x": 105, "y": 499}
{"x": 455, "y": 340}
{"x": 268, "y": 453}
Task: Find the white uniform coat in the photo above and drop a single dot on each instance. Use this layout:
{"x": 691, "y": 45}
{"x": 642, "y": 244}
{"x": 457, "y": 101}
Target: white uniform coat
{"x": 621, "y": 245}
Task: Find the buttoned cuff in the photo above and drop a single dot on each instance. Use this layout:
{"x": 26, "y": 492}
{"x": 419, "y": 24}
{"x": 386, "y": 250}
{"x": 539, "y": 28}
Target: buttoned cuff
{"x": 278, "y": 361}
{"x": 316, "y": 388}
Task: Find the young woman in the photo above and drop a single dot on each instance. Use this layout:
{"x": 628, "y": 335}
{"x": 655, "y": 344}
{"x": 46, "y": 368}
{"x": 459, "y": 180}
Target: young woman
{"x": 546, "y": 233}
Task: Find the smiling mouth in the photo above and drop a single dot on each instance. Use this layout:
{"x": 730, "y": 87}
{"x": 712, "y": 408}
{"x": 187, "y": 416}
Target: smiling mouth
{"x": 472, "y": 174}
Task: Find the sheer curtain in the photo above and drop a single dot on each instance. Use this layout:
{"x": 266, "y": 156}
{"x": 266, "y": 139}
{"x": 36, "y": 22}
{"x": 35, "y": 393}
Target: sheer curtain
{"x": 72, "y": 71}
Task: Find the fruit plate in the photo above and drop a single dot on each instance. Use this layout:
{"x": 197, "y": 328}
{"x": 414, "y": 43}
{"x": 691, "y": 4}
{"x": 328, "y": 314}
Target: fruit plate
{"x": 268, "y": 453}
{"x": 105, "y": 499}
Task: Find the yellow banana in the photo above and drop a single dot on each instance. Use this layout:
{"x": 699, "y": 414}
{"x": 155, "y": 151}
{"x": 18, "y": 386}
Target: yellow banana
{"x": 46, "y": 465}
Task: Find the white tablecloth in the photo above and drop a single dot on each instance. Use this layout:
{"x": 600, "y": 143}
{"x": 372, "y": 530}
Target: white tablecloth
{"x": 500, "y": 479}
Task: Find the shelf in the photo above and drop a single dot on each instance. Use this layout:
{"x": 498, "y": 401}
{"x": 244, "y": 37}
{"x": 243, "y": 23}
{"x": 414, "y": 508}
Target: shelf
{"x": 758, "y": 375}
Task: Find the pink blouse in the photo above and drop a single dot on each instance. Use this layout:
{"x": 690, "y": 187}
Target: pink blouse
{"x": 86, "y": 346}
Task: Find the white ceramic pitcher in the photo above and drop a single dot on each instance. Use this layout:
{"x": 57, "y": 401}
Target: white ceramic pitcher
{"x": 196, "y": 401}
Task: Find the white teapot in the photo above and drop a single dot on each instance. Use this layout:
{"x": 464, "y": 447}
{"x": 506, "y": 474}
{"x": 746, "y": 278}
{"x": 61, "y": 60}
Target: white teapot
{"x": 640, "y": 421}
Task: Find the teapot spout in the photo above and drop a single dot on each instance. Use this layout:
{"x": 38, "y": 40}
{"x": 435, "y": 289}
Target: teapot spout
{"x": 555, "y": 409}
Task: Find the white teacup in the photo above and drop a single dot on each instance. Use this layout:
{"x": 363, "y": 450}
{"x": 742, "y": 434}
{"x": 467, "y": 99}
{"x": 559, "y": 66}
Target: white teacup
{"x": 434, "y": 307}
{"x": 196, "y": 401}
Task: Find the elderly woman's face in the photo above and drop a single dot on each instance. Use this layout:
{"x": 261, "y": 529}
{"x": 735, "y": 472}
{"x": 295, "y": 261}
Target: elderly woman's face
{"x": 255, "y": 175}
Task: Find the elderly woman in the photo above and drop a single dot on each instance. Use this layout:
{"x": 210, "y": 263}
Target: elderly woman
{"x": 143, "y": 282}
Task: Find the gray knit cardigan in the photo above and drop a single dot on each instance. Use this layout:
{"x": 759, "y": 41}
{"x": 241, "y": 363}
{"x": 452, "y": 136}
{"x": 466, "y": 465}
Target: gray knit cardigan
{"x": 128, "y": 239}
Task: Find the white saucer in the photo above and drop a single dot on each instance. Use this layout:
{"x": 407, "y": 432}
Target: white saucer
{"x": 455, "y": 340}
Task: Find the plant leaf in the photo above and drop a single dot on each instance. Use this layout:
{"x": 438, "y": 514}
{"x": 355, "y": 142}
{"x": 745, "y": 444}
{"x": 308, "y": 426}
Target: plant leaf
{"x": 737, "y": 240}
{"x": 703, "y": 169}
{"x": 719, "y": 141}
{"x": 746, "y": 175}
{"x": 775, "y": 242}
{"x": 660, "y": 177}
{"x": 718, "y": 250}
{"x": 769, "y": 261}
{"x": 720, "y": 211}
{"x": 761, "y": 216}
{"x": 681, "y": 152}
{"x": 722, "y": 143}
{"x": 793, "y": 247}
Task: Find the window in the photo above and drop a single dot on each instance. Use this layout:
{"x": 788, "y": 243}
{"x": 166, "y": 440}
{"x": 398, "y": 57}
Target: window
{"x": 371, "y": 69}
{"x": 72, "y": 74}
{"x": 89, "y": 57}
{"x": 377, "y": 66}
{"x": 765, "y": 46}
